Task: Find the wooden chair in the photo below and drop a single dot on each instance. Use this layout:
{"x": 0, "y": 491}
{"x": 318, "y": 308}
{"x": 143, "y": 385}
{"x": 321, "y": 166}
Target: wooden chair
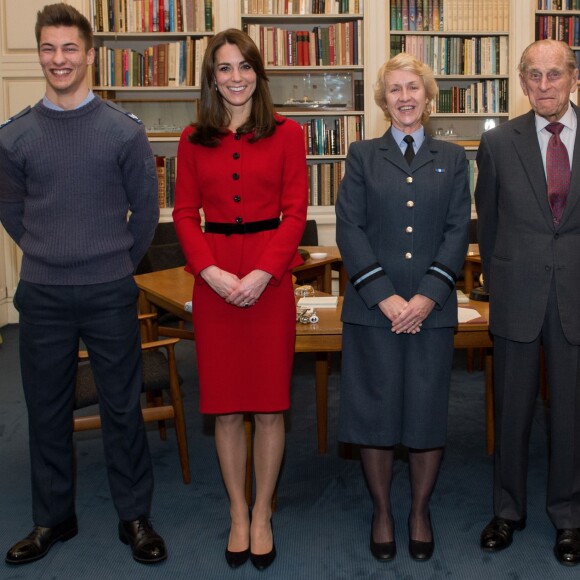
{"x": 165, "y": 252}
{"x": 159, "y": 374}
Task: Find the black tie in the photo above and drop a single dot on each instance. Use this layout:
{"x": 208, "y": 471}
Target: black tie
{"x": 409, "y": 151}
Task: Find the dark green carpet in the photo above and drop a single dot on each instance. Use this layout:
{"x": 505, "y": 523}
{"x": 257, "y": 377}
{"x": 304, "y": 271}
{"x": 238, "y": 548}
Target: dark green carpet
{"x": 323, "y": 518}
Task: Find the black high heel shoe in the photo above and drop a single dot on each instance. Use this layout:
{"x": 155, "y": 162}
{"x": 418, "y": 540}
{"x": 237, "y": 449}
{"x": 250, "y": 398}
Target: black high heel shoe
{"x": 236, "y": 559}
{"x": 422, "y": 551}
{"x": 383, "y": 551}
{"x": 263, "y": 561}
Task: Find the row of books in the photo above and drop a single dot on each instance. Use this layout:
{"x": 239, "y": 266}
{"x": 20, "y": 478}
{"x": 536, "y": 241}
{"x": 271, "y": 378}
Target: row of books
{"x": 327, "y": 136}
{"x": 558, "y": 4}
{"x": 450, "y": 15}
{"x": 151, "y": 15}
{"x": 566, "y": 28}
{"x": 456, "y": 55}
{"x": 335, "y": 45}
{"x": 490, "y": 96}
{"x": 172, "y": 64}
{"x": 166, "y": 171}
{"x": 301, "y": 7}
{"x": 323, "y": 182}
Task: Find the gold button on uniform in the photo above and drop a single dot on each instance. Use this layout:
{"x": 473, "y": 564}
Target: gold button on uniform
{"x": 409, "y": 179}
{"x": 408, "y": 256}
{"x": 410, "y": 203}
{"x": 409, "y": 229}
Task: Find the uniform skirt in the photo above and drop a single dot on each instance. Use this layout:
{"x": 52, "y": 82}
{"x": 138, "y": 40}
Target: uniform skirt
{"x": 245, "y": 355}
{"x": 395, "y": 388}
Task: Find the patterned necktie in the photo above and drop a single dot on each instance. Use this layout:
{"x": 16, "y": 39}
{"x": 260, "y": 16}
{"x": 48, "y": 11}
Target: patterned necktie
{"x": 409, "y": 151}
{"x": 557, "y": 171}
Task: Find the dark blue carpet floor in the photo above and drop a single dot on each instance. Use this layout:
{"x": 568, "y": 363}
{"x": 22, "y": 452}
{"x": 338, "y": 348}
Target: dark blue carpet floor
{"x": 323, "y": 517}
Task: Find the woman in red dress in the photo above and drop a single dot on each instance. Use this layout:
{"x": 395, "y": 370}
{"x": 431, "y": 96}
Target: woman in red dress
{"x": 245, "y": 168}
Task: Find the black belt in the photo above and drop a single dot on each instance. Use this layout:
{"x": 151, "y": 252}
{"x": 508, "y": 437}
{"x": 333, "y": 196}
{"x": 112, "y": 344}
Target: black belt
{"x": 247, "y": 228}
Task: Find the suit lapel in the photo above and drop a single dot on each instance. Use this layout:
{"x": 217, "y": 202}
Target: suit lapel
{"x": 574, "y": 193}
{"x": 526, "y": 144}
{"x": 392, "y": 153}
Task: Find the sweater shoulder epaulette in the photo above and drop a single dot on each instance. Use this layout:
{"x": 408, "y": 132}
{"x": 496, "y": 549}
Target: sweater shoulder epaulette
{"x": 17, "y": 116}
{"x": 124, "y": 112}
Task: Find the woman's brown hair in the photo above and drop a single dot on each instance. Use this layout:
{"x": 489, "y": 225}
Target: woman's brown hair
{"x": 213, "y": 116}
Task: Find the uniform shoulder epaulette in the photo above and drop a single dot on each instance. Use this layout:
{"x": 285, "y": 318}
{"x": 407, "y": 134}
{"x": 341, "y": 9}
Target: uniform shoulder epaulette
{"x": 124, "y": 112}
{"x": 17, "y": 116}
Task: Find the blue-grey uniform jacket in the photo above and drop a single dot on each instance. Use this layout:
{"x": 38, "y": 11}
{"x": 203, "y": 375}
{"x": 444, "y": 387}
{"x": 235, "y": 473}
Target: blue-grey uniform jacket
{"x": 402, "y": 229}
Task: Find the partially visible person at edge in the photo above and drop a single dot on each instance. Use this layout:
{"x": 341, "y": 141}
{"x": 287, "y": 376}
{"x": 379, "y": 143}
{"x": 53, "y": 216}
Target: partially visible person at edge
{"x": 402, "y": 219}
{"x": 244, "y": 166}
{"x": 71, "y": 168}
{"x": 529, "y": 240}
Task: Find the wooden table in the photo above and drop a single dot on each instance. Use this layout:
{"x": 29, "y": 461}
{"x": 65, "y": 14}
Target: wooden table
{"x": 321, "y": 268}
{"x": 471, "y": 264}
{"x": 170, "y": 289}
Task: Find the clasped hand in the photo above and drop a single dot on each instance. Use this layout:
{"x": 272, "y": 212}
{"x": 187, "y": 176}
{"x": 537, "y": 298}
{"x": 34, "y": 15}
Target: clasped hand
{"x": 243, "y": 292}
{"x": 406, "y": 317}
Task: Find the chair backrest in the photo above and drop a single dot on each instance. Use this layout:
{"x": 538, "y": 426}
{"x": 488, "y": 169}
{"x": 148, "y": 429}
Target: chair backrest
{"x": 164, "y": 252}
{"x": 159, "y": 375}
{"x": 310, "y": 236}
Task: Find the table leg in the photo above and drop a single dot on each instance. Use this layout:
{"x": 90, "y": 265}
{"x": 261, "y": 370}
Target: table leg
{"x": 467, "y": 277}
{"x": 321, "y": 373}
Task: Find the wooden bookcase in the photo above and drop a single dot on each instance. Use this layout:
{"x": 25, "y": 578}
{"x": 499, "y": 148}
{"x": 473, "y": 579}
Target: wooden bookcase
{"x": 559, "y": 19}
{"x": 467, "y": 45}
{"x": 149, "y": 62}
{"x": 315, "y": 61}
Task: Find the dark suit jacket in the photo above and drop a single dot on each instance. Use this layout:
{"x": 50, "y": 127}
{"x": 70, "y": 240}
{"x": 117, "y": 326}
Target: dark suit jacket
{"x": 520, "y": 247}
{"x": 401, "y": 220}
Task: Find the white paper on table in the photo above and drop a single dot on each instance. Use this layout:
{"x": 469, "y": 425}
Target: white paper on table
{"x": 318, "y": 301}
{"x": 467, "y": 314}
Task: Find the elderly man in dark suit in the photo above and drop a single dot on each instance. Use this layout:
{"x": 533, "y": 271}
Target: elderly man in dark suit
{"x": 527, "y": 199}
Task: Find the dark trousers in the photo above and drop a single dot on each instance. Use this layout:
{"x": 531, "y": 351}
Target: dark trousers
{"x": 52, "y": 320}
{"x": 516, "y": 371}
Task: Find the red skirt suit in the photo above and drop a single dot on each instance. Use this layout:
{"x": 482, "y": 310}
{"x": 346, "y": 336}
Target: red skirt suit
{"x": 244, "y": 356}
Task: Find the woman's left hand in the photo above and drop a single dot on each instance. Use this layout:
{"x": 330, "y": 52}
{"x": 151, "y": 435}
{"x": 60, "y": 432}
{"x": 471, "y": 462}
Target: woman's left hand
{"x": 411, "y": 318}
{"x": 250, "y": 289}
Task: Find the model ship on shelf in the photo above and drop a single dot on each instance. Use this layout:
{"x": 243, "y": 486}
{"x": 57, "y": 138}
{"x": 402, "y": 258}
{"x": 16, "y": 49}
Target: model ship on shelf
{"x": 308, "y": 103}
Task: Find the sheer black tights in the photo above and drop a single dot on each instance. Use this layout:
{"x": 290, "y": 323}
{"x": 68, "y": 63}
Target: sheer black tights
{"x": 378, "y": 469}
{"x": 424, "y": 465}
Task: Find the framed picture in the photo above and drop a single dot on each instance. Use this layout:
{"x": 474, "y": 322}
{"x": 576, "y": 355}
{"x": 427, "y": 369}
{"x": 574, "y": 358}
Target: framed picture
{"x": 163, "y": 117}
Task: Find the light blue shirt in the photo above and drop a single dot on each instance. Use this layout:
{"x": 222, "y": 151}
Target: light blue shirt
{"x": 418, "y": 136}
{"x": 50, "y": 105}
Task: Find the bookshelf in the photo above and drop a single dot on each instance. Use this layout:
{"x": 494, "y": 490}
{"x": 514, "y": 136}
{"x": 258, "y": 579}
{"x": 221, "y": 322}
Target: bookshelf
{"x": 560, "y": 20}
{"x": 314, "y": 56}
{"x": 466, "y": 43}
{"x": 148, "y": 59}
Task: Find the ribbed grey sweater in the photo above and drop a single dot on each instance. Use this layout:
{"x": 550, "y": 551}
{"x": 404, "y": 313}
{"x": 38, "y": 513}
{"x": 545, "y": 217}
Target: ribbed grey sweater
{"x": 67, "y": 182}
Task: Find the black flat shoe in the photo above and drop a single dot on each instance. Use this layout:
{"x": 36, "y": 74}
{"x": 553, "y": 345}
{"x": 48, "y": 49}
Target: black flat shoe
{"x": 38, "y": 543}
{"x": 146, "y": 544}
{"x": 567, "y": 548}
{"x": 498, "y": 534}
{"x": 383, "y": 551}
{"x": 263, "y": 561}
{"x": 422, "y": 551}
